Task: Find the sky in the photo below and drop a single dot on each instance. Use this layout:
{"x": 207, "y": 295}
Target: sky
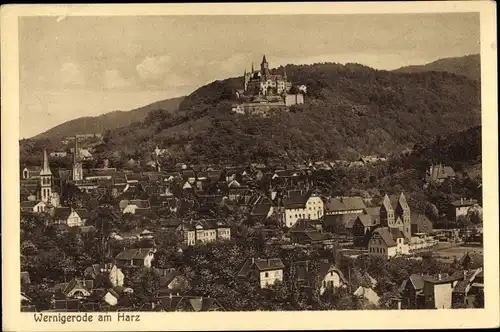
{"x": 86, "y": 66}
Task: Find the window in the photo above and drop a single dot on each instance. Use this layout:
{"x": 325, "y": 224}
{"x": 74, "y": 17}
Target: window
{"x": 331, "y": 273}
{"x": 266, "y": 275}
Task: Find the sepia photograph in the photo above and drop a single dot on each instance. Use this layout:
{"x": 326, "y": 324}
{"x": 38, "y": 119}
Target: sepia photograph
{"x": 260, "y": 162}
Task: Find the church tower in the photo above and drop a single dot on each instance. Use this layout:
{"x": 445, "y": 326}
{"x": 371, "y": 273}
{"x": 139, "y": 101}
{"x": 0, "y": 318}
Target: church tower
{"x": 77, "y": 164}
{"x": 45, "y": 179}
{"x": 245, "y": 78}
{"x": 264, "y": 66}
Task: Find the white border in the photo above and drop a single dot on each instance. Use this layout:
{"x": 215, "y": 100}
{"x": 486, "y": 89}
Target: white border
{"x": 13, "y": 320}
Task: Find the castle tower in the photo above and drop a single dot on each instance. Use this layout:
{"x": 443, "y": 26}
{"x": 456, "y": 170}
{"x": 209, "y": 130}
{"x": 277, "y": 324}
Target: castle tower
{"x": 264, "y": 66}
{"x": 77, "y": 165}
{"x": 45, "y": 179}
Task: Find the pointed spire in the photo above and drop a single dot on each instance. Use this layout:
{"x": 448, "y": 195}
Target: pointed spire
{"x": 46, "y": 168}
{"x": 252, "y": 68}
{"x": 264, "y": 59}
{"x": 284, "y": 73}
{"x": 76, "y": 153}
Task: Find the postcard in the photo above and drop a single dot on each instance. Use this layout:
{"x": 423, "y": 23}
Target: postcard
{"x": 249, "y": 166}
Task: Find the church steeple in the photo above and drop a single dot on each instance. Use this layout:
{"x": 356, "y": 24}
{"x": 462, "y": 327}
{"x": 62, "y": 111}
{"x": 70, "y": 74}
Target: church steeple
{"x": 45, "y": 169}
{"x": 264, "y": 66}
{"x": 77, "y": 165}
{"x": 76, "y": 152}
{"x": 252, "y": 68}
{"x": 45, "y": 179}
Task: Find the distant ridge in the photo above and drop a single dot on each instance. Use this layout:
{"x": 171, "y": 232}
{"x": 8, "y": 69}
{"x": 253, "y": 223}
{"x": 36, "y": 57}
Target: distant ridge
{"x": 468, "y": 66}
{"x": 108, "y": 121}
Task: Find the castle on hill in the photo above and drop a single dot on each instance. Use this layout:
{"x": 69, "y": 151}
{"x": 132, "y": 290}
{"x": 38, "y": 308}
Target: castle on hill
{"x": 263, "y": 91}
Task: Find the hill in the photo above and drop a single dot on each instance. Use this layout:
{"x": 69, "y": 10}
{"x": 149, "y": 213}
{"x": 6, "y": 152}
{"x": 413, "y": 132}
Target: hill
{"x": 350, "y": 110}
{"x": 469, "y": 66}
{"x": 108, "y": 121}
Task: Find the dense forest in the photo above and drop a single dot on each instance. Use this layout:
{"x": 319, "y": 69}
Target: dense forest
{"x": 350, "y": 110}
{"x": 469, "y": 66}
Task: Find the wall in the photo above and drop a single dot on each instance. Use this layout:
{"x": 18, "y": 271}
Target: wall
{"x": 292, "y": 215}
{"x": 294, "y": 99}
{"x": 442, "y": 295}
{"x": 377, "y": 247}
{"x": 315, "y": 208}
{"x": 272, "y": 277}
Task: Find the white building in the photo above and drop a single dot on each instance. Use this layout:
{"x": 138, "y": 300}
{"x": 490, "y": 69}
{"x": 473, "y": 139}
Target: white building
{"x": 388, "y": 242}
{"x": 266, "y": 271}
{"x": 302, "y": 206}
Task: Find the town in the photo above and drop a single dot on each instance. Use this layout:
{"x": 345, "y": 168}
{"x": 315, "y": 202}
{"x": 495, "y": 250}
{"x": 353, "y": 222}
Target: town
{"x": 160, "y": 235}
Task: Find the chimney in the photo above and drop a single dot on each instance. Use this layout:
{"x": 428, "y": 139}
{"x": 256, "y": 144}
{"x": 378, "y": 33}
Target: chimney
{"x": 268, "y": 261}
{"x": 440, "y": 276}
{"x": 465, "y": 275}
{"x": 170, "y": 295}
{"x": 253, "y": 260}
{"x": 461, "y": 200}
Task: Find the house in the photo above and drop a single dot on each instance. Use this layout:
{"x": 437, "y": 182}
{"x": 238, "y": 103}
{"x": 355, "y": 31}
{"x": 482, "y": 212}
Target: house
{"x": 31, "y": 172}
{"x": 387, "y": 242}
{"x": 171, "y": 281}
{"x": 101, "y": 173}
{"x": 368, "y": 294}
{"x": 322, "y": 273}
{"x": 117, "y": 295}
{"x": 307, "y": 232}
{"x": 421, "y": 224}
{"x": 68, "y": 216}
{"x": 299, "y": 205}
{"x": 135, "y": 205}
{"x": 77, "y": 288}
{"x": 412, "y": 292}
{"x": 362, "y": 228}
{"x": 262, "y": 211}
{"x": 438, "y": 173}
{"x": 340, "y": 210}
{"x": 461, "y": 207}
{"x": 266, "y": 271}
{"x": 438, "y": 290}
{"x": 135, "y": 257}
{"x": 468, "y": 288}
{"x": 33, "y": 206}
{"x": 109, "y": 271}
{"x": 204, "y": 231}
{"x": 189, "y": 303}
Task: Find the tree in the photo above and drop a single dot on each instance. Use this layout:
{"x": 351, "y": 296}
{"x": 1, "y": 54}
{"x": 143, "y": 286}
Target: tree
{"x": 148, "y": 287}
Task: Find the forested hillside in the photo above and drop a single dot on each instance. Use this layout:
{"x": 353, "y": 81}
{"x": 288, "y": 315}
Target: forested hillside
{"x": 108, "y": 121}
{"x": 350, "y": 110}
{"x": 469, "y": 66}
